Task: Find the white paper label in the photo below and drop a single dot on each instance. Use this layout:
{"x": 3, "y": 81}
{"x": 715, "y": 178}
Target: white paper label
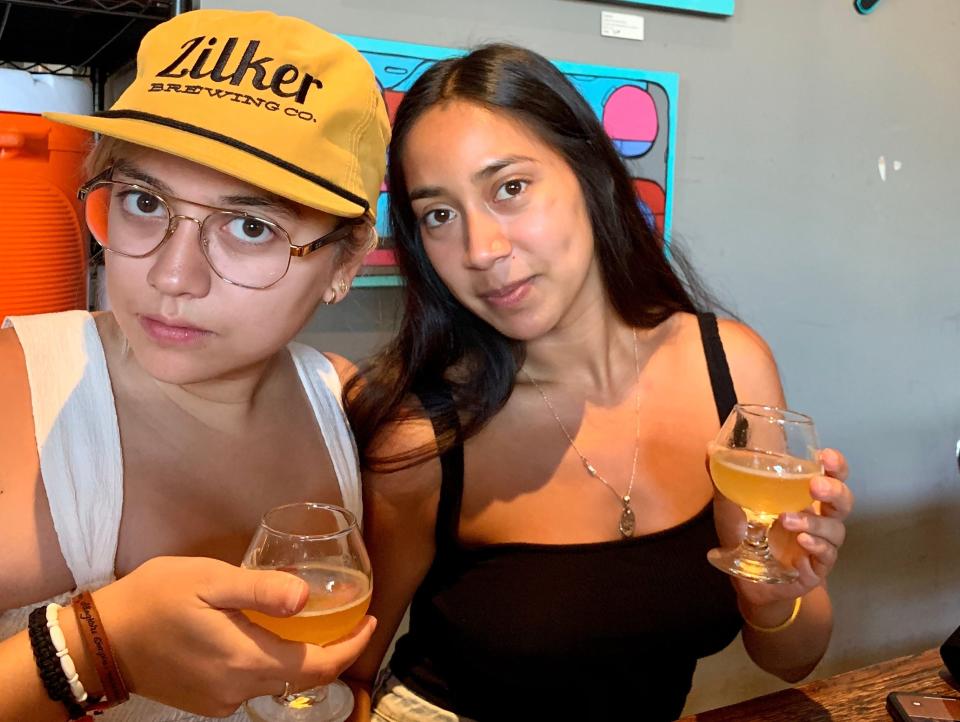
{"x": 621, "y": 25}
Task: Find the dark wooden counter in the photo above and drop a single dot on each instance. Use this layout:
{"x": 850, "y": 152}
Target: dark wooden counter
{"x": 857, "y": 696}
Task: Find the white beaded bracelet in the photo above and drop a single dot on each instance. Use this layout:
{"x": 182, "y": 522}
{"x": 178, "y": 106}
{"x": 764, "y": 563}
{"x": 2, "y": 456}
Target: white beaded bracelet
{"x": 60, "y": 644}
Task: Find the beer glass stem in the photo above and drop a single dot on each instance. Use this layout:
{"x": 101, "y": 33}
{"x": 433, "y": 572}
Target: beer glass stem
{"x": 755, "y": 544}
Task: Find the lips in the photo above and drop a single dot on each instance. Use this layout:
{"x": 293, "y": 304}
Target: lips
{"x": 509, "y": 294}
{"x": 172, "y": 331}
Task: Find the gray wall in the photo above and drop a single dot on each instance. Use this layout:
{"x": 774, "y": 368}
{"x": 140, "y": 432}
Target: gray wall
{"x": 784, "y": 111}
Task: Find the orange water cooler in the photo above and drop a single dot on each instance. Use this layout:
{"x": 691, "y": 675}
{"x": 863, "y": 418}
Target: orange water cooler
{"x": 43, "y": 242}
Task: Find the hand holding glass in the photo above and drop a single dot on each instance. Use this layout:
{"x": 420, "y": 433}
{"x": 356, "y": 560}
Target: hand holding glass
{"x": 762, "y": 460}
{"x": 321, "y": 544}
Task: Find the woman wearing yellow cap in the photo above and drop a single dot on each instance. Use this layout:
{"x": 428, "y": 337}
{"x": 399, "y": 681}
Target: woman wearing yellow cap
{"x": 233, "y": 190}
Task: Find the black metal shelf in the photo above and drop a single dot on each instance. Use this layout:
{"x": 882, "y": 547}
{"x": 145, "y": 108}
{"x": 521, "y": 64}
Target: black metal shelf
{"x": 87, "y": 38}
{"x": 99, "y": 36}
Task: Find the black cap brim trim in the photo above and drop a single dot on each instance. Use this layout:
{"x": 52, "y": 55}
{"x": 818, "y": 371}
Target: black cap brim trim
{"x": 240, "y": 145}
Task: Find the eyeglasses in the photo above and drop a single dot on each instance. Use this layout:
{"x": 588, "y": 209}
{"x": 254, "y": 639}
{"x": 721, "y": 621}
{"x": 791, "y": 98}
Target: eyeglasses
{"x": 242, "y": 249}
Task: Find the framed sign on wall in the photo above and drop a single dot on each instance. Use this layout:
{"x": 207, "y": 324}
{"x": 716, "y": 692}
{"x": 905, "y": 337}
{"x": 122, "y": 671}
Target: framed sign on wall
{"x": 637, "y": 108}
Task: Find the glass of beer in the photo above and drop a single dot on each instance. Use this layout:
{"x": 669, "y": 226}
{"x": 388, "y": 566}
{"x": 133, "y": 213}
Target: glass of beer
{"x": 321, "y": 544}
{"x": 762, "y": 460}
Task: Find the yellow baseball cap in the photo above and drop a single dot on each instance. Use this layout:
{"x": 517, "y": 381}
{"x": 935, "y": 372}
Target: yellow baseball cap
{"x": 272, "y": 100}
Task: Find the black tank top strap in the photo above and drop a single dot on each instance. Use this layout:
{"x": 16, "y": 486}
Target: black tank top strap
{"x": 443, "y": 415}
{"x": 724, "y": 395}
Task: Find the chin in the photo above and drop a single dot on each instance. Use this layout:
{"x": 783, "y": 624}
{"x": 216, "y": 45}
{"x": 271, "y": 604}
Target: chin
{"x": 517, "y": 330}
{"x": 173, "y": 366}
{"x": 526, "y": 324}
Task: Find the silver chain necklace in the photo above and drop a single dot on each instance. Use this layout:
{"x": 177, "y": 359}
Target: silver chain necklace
{"x": 628, "y": 521}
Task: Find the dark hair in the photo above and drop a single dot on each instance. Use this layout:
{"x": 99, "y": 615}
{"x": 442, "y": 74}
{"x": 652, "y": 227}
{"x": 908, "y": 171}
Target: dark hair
{"x": 441, "y": 345}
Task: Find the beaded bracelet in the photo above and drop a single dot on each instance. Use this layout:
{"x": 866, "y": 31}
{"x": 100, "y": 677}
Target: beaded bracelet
{"x": 47, "y": 642}
{"x": 66, "y": 662}
{"x": 783, "y": 625}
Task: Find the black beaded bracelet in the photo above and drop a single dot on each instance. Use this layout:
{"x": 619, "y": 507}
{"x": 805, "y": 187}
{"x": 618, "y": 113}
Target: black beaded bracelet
{"x": 48, "y": 664}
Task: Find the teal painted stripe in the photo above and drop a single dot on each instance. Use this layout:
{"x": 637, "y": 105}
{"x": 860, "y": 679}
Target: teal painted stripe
{"x": 377, "y": 281}
{"x": 714, "y": 7}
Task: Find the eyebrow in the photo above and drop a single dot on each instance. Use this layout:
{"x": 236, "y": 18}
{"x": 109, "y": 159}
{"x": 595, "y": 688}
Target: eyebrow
{"x": 267, "y": 200}
{"x": 497, "y": 166}
{"x": 488, "y": 170}
{"x": 131, "y": 171}
{"x": 275, "y": 203}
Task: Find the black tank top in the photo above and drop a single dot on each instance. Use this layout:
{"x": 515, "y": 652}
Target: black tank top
{"x": 600, "y": 631}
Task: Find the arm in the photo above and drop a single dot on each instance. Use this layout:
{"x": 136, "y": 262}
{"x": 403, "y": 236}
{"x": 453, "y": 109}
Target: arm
{"x": 179, "y": 638}
{"x": 810, "y": 539}
{"x": 400, "y": 510}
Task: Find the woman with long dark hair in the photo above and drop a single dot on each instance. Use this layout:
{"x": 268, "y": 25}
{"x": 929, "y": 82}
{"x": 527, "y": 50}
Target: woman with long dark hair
{"x": 534, "y": 438}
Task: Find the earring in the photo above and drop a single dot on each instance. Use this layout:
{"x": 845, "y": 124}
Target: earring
{"x": 343, "y": 287}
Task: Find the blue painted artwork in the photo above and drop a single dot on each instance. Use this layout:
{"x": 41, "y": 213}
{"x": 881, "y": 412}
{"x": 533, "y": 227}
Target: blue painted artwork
{"x": 710, "y": 7}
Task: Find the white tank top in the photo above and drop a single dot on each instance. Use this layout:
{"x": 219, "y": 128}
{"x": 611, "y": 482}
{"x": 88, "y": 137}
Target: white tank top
{"x": 78, "y": 441}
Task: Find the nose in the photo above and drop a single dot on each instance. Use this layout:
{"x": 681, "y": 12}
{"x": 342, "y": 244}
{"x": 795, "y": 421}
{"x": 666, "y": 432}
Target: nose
{"x": 179, "y": 265}
{"x": 486, "y": 241}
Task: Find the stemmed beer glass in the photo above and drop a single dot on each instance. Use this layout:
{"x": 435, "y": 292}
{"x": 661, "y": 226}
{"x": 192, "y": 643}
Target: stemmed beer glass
{"x": 762, "y": 459}
{"x": 321, "y": 544}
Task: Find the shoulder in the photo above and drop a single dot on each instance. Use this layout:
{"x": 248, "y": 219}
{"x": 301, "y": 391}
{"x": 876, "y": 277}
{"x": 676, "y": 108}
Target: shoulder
{"x": 320, "y": 370}
{"x": 409, "y": 438}
{"x": 752, "y": 364}
{"x": 745, "y": 348}
{"x": 344, "y": 367}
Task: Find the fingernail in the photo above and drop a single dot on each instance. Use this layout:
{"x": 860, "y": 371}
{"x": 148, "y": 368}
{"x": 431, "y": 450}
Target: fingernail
{"x": 792, "y": 520}
{"x": 821, "y": 486}
{"x": 296, "y": 590}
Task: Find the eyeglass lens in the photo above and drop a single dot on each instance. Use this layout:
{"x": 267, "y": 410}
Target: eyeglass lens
{"x": 132, "y": 221}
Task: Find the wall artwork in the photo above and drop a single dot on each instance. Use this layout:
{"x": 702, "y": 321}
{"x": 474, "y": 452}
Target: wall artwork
{"x": 637, "y": 107}
{"x": 709, "y": 7}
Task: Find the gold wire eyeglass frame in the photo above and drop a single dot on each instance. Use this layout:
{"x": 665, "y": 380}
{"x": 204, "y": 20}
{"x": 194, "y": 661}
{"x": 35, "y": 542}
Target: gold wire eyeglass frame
{"x": 296, "y": 251}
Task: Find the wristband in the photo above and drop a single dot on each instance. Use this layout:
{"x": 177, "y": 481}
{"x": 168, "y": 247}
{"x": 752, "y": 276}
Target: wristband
{"x": 98, "y": 648}
{"x": 783, "y": 625}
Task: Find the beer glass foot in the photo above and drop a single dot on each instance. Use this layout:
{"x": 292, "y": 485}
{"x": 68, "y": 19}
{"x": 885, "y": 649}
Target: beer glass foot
{"x": 767, "y": 570}
{"x": 331, "y": 703}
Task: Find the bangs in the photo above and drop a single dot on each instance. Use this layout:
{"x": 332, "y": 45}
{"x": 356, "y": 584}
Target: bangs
{"x": 107, "y": 151}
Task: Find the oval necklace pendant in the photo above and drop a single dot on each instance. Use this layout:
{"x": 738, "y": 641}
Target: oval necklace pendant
{"x": 628, "y": 521}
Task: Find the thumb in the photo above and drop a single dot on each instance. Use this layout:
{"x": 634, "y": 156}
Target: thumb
{"x": 276, "y": 593}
